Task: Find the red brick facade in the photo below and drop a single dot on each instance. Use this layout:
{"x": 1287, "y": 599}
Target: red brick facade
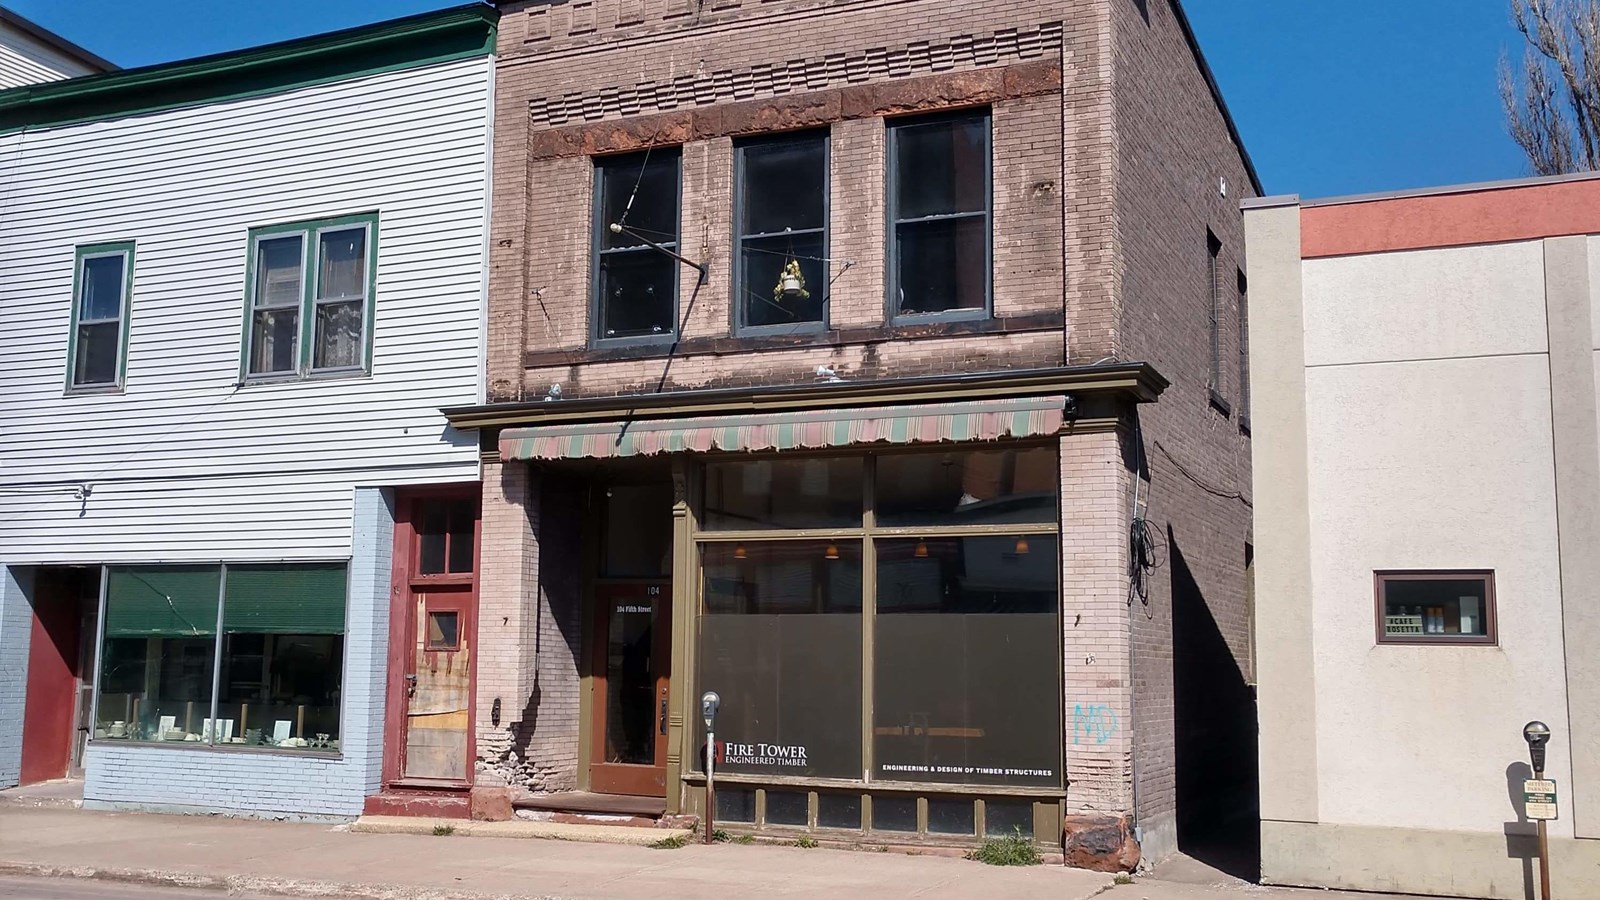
{"x": 1109, "y": 152}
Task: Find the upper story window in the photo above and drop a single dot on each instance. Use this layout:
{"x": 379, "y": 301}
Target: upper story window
{"x": 636, "y": 285}
{"x": 310, "y": 298}
{"x": 782, "y": 223}
{"x": 102, "y": 289}
{"x": 939, "y": 216}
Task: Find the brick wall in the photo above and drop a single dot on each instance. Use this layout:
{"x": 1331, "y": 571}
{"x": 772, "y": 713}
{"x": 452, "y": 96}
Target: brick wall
{"x": 279, "y": 785}
{"x": 1100, "y": 736}
{"x": 16, "y": 627}
{"x": 614, "y": 74}
{"x": 1174, "y": 152}
{"x": 1108, "y": 150}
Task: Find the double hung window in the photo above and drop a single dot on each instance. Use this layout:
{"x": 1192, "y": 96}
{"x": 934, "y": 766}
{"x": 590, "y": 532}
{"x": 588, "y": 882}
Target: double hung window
{"x": 242, "y": 655}
{"x": 939, "y": 216}
{"x": 782, "y": 223}
{"x": 101, "y": 294}
{"x": 310, "y": 298}
{"x": 636, "y": 218}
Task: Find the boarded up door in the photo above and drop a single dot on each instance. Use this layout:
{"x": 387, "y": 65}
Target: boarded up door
{"x": 440, "y": 686}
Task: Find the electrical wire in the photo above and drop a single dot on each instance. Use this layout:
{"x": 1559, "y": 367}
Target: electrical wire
{"x": 1224, "y": 493}
{"x": 640, "y": 180}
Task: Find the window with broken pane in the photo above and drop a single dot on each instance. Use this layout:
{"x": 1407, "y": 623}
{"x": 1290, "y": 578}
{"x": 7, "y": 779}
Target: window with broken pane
{"x": 939, "y": 210}
{"x": 636, "y": 220}
{"x": 782, "y": 194}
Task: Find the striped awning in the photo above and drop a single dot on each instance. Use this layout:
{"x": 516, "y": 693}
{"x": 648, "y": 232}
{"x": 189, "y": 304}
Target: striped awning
{"x": 984, "y": 420}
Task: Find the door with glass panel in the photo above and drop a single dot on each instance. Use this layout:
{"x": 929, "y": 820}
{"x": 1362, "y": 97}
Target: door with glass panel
{"x": 632, "y": 665}
{"x": 437, "y": 671}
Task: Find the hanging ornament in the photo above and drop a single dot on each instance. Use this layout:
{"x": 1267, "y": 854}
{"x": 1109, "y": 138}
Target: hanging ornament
{"x": 791, "y": 284}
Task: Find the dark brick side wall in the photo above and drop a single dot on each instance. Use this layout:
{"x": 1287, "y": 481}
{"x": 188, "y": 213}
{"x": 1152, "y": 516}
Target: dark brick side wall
{"x": 1174, "y": 152}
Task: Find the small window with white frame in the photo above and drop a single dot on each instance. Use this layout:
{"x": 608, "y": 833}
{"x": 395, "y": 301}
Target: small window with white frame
{"x": 310, "y": 299}
{"x": 1435, "y": 607}
{"x": 102, "y": 292}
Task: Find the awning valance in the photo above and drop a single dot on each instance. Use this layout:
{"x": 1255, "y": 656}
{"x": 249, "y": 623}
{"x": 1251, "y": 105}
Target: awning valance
{"x": 984, "y": 420}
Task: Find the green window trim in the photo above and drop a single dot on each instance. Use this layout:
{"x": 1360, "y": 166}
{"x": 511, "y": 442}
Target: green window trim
{"x": 81, "y": 255}
{"x": 310, "y": 232}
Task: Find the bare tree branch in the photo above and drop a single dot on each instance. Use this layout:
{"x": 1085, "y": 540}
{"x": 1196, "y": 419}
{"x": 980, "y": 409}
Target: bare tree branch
{"x": 1553, "y": 108}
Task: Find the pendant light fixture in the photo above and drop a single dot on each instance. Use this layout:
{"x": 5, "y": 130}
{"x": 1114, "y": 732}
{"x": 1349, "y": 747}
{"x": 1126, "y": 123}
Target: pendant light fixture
{"x": 739, "y": 552}
{"x": 922, "y": 550}
{"x": 832, "y": 552}
{"x": 1022, "y": 546}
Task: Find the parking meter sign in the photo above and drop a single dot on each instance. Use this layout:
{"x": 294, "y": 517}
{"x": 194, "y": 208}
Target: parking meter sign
{"x": 1539, "y": 799}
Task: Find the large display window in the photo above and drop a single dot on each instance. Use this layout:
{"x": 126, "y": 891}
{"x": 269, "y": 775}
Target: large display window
{"x": 885, "y": 618}
{"x": 242, "y": 656}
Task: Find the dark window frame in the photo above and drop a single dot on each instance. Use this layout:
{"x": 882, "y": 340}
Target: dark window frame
{"x": 741, "y": 327}
{"x": 1491, "y": 618}
{"x": 597, "y": 336}
{"x": 1214, "y": 323}
{"x": 1244, "y": 354}
{"x": 892, "y": 127}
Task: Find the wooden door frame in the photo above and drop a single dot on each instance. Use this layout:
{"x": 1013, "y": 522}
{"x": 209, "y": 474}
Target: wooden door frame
{"x": 627, "y": 778}
{"x": 402, "y": 626}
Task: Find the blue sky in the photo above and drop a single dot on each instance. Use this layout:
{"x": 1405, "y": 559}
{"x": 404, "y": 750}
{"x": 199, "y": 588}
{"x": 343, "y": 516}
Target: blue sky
{"x": 1332, "y": 96}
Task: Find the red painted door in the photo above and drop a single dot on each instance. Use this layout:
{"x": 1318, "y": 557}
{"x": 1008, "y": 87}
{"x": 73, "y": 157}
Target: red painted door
{"x": 49, "y": 713}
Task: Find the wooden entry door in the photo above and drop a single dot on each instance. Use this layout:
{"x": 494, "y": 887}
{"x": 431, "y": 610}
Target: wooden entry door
{"x": 631, "y": 658}
{"x": 438, "y": 686}
{"x": 433, "y": 631}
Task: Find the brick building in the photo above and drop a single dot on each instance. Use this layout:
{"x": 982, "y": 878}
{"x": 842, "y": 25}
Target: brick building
{"x": 876, "y": 365}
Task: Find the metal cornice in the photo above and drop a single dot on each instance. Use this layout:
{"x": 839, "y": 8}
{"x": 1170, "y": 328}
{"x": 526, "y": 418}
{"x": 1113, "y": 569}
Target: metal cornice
{"x": 1138, "y": 381}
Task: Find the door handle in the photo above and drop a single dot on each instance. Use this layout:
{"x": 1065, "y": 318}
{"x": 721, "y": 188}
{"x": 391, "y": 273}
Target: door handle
{"x": 663, "y": 715}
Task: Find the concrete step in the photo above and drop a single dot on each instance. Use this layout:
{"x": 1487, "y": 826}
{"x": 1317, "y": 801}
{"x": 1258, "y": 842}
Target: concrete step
{"x": 519, "y": 828}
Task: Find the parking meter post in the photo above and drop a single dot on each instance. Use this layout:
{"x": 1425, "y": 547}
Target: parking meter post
{"x": 709, "y": 701}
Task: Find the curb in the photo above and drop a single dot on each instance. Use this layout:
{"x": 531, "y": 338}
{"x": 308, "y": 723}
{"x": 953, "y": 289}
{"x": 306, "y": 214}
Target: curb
{"x": 236, "y": 885}
{"x": 636, "y": 836}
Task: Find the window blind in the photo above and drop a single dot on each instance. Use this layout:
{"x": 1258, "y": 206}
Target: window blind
{"x": 285, "y": 599}
{"x": 161, "y": 601}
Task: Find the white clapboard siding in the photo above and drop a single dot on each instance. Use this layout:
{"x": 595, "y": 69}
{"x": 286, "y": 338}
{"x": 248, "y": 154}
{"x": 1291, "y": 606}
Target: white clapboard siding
{"x": 185, "y": 464}
{"x": 24, "y": 59}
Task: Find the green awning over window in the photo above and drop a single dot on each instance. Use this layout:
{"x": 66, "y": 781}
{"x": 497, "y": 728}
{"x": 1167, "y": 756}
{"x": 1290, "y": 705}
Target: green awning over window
{"x": 161, "y": 601}
{"x": 983, "y": 420}
{"x": 285, "y": 599}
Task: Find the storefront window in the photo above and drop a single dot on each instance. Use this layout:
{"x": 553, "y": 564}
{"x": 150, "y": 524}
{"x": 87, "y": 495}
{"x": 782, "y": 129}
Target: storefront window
{"x": 780, "y": 640}
{"x": 968, "y": 488}
{"x": 281, "y": 655}
{"x": 954, "y": 562}
{"x": 160, "y": 639}
{"x": 967, "y": 683}
{"x": 783, "y": 493}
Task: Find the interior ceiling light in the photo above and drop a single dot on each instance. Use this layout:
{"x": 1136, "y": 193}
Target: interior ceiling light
{"x": 832, "y": 552}
{"x": 739, "y": 552}
{"x": 922, "y": 550}
{"x": 1022, "y": 546}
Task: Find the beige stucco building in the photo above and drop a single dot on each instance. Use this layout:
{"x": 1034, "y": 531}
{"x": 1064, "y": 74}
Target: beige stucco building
{"x": 1427, "y": 501}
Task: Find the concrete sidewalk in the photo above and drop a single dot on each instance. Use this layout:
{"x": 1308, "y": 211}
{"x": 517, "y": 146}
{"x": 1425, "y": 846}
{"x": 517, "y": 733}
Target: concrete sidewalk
{"x": 272, "y": 858}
